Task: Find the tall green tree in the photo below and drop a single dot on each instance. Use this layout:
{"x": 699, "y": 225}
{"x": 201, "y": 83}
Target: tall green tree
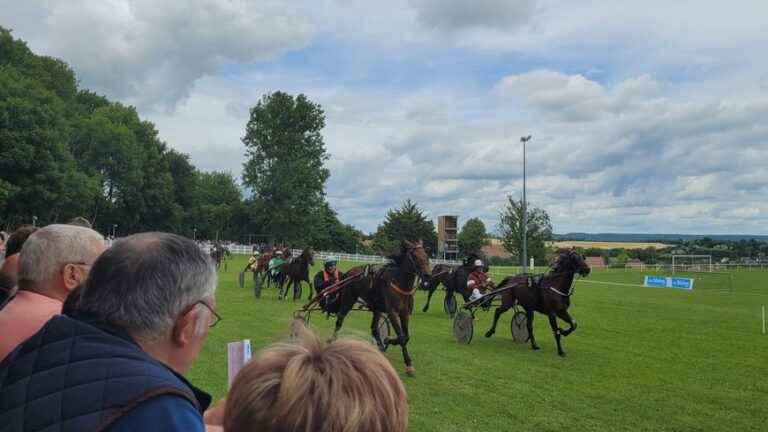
{"x": 285, "y": 167}
{"x": 218, "y": 196}
{"x": 472, "y": 237}
{"x": 539, "y": 229}
{"x": 405, "y": 223}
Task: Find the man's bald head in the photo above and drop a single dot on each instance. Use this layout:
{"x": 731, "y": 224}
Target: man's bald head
{"x": 48, "y": 250}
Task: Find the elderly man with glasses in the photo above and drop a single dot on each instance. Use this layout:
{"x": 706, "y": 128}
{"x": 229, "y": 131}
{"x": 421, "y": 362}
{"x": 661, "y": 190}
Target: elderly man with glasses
{"x": 52, "y": 262}
{"x": 116, "y": 361}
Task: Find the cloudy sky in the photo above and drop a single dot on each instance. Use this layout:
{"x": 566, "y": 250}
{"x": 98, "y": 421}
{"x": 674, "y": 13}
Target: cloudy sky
{"x": 646, "y": 116}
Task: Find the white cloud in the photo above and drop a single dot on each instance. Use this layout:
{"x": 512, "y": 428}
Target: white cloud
{"x": 150, "y": 53}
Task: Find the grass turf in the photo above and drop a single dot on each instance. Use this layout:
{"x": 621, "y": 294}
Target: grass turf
{"x": 641, "y": 359}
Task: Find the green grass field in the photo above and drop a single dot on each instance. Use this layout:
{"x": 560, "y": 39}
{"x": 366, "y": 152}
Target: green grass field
{"x": 641, "y": 359}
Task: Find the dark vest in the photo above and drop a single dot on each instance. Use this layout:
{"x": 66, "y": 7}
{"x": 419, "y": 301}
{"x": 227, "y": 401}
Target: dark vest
{"x": 74, "y": 375}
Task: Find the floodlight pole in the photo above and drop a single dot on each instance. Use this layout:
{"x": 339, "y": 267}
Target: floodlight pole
{"x": 524, "y": 140}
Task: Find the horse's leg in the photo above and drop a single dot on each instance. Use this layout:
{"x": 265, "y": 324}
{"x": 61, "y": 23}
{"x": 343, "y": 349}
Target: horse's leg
{"x": 375, "y": 330}
{"x": 556, "y": 331}
{"x": 404, "y": 321}
{"x": 430, "y": 290}
{"x": 565, "y": 316}
{"x": 529, "y": 324}
{"x": 344, "y": 309}
{"x": 399, "y": 339}
{"x": 499, "y": 310}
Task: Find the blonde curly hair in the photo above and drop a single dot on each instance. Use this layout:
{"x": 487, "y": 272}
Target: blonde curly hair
{"x": 308, "y": 385}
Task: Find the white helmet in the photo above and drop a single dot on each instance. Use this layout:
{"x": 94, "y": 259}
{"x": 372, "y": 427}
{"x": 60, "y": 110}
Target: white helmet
{"x": 279, "y": 252}
{"x": 478, "y": 263}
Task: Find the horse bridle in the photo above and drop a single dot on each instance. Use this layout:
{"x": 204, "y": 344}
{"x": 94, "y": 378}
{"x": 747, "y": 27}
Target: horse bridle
{"x": 408, "y": 253}
{"x": 571, "y": 289}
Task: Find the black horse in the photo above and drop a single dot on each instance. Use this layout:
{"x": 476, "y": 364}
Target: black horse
{"x": 297, "y": 271}
{"x": 550, "y": 296}
{"x": 454, "y": 278}
{"x": 219, "y": 254}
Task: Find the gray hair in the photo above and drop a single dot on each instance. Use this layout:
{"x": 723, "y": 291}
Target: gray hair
{"x": 49, "y": 248}
{"x": 145, "y": 281}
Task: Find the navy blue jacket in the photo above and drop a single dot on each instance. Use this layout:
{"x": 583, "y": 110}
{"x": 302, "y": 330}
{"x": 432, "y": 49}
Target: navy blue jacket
{"x": 77, "y": 374}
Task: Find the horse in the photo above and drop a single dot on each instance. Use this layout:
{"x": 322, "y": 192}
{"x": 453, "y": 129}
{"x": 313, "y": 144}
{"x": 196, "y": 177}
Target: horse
{"x": 551, "y": 296}
{"x": 219, "y": 254}
{"x": 454, "y": 278}
{"x": 297, "y": 271}
{"x": 387, "y": 290}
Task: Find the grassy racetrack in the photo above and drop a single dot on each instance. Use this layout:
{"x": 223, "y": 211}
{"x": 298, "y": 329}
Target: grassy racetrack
{"x": 641, "y": 359}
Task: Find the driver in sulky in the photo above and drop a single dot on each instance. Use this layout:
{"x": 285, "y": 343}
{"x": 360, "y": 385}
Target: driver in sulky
{"x": 478, "y": 281}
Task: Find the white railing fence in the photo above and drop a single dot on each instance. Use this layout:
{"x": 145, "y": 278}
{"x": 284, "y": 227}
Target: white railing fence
{"x": 241, "y": 249}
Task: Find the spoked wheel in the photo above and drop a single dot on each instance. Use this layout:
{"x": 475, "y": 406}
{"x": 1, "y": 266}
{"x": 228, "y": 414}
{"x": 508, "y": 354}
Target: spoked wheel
{"x": 519, "y": 327}
{"x": 257, "y": 281}
{"x": 449, "y": 304}
{"x": 463, "y": 327}
{"x": 384, "y": 331}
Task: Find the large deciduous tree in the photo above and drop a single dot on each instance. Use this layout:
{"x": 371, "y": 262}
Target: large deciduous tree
{"x": 539, "y": 230}
{"x": 405, "y": 223}
{"x": 285, "y": 167}
{"x": 472, "y": 237}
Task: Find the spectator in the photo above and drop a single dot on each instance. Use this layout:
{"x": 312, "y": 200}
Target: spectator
{"x": 115, "y": 363}
{"x": 347, "y": 385}
{"x": 53, "y": 261}
{"x": 12, "y": 248}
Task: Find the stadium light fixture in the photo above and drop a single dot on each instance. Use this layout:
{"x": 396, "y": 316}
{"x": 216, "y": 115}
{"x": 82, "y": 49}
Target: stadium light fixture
{"x": 524, "y": 140}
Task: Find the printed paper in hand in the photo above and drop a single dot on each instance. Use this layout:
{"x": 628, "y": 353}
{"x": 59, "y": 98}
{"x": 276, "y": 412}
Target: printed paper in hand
{"x": 238, "y": 354}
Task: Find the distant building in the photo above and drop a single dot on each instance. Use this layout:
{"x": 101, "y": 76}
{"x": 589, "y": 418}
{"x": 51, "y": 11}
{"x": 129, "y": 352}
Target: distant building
{"x": 595, "y": 262}
{"x": 635, "y": 263}
{"x": 495, "y": 248}
{"x": 447, "y": 236}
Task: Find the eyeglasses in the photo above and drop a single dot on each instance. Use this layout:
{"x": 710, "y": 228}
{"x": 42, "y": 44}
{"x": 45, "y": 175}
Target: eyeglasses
{"x": 216, "y": 317}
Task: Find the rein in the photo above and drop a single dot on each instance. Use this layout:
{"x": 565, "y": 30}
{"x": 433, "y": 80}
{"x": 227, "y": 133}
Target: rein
{"x": 401, "y": 291}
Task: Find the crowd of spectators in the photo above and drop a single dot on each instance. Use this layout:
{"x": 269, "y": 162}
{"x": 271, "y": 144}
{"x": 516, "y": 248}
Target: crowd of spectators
{"x": 100, "y": 339}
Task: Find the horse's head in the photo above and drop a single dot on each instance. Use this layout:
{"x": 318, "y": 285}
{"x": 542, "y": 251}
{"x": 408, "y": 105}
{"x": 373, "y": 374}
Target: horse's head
{"x": 571, "y": 261}
{"x": 417, "y": 256}
{"x": 308, "y": 256}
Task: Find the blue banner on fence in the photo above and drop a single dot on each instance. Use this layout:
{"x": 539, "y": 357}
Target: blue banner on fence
{"x": 668, "y": 282}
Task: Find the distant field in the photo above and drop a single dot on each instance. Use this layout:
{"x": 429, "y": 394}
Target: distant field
{"x": 608, "y": 245}
{"x": 642, "y": 359}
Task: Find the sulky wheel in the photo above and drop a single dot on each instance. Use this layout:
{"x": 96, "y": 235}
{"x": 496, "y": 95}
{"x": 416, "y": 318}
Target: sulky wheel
{"x": 463, "y": 327}
{"x": 449, "y": 304}
{"x": 519, "y": 327}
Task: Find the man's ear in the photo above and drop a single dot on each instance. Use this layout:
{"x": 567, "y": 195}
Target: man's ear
{"x": 184, "y": 328}
{"x": 73, "y": 276}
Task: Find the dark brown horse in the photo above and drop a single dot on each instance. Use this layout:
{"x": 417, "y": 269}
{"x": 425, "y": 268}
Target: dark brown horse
{"x": 219, "y": 254}
{"x": 550, "y": 296}
{"x": 297, "y": 271}
{"x": 387, "y": 290}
